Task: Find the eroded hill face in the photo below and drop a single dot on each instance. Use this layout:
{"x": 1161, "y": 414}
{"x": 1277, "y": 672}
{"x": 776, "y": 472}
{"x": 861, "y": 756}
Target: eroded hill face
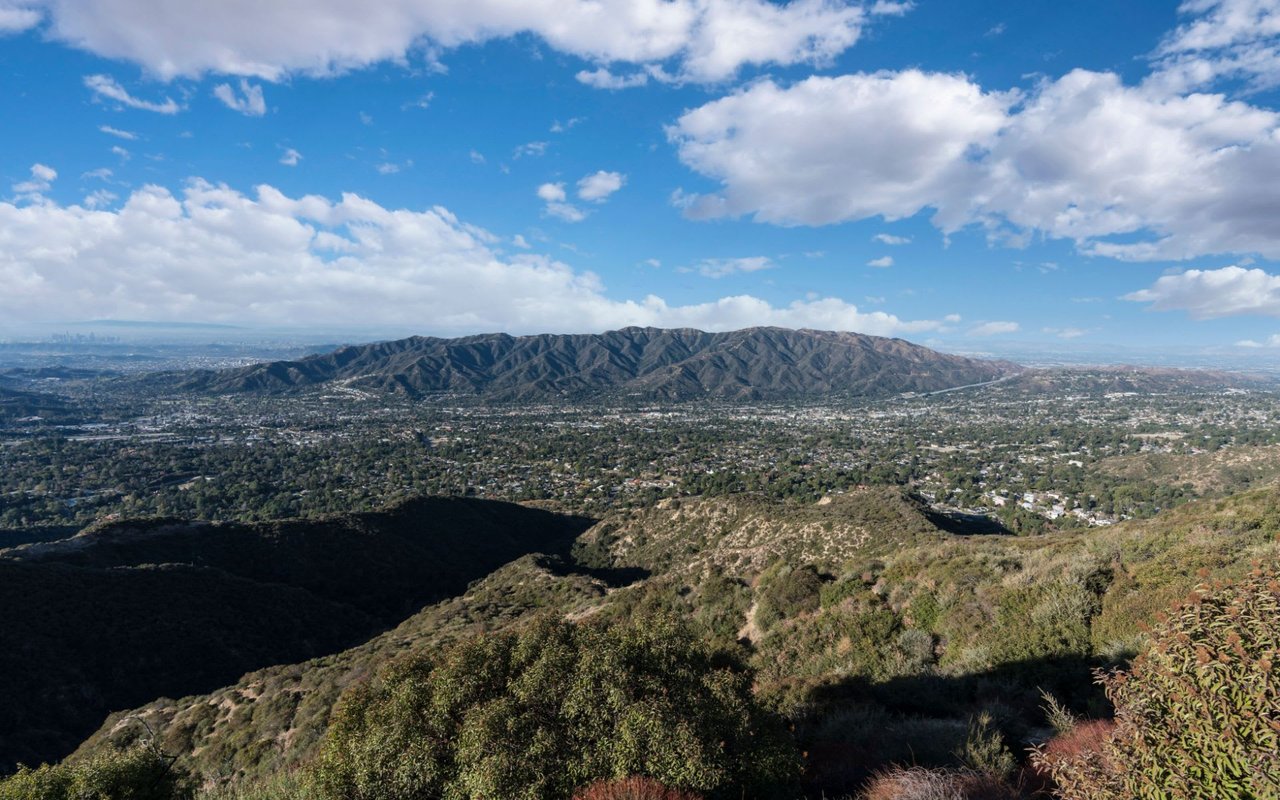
{"x": 126, "y": 612}
{"x": 650, "y": 363}
{"x": 742, "y": 535}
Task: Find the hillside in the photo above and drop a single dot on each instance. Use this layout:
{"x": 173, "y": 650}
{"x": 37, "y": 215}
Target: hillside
{"x": 680, "y": 364}
{"x": 17, "y": 405}
{"x": 280, "y": 712}
{"x": 122, "y": 613}
{"x": 898, "y": 635}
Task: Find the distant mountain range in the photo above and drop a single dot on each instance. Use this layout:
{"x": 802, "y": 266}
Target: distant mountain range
{"x": 647, "y": 363}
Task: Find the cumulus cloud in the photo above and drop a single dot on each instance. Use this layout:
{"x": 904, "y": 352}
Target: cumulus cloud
{"x": 1126, "y": 172}
{"x": 216, "y": 254}
{"x": 597, "y": 187}
{"x": 882, "y": 262}
{"x": 290, "y": 157}
{"x": 704, "y": 40}
{"x": 248, "y": 101}
{"x": 994, "y": 328}
{"x": 830, "y": 149}
{"x": 1205, "y": 294}
{"x": 104, "y": 86}
{"x": 15, "y": 19}
{"x": 553, "y": 194}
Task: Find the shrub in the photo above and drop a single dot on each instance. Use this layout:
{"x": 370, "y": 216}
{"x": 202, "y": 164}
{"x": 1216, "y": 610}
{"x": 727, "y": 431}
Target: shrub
{"x": 918, "y": 783}
{"x": 635, "y": 787}
{"x": 786, "y": 593}
{"x": 984, "y": 750}
{"x": 1198, "y": 714}
{"x": 280, "y": 786}
{"x": 555, "y": 707}
{"x": 136, "y": 774}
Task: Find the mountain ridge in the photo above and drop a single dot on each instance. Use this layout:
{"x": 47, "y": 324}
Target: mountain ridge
{"x": 648, "y": 363}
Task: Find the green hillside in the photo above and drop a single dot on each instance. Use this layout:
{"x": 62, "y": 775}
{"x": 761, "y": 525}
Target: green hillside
{"x": 874, "y": 631}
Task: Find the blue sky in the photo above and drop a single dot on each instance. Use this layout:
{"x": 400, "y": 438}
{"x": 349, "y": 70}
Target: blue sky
{"x": 976, "y": 176}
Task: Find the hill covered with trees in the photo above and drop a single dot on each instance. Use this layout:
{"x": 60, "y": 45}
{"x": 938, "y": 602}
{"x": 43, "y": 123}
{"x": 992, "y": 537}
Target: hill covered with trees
{"x": 654, "y": 363}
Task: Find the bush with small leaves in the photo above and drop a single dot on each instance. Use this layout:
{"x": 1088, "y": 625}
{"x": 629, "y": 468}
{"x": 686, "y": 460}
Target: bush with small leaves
{"x": 553, "y": 708}
{"x": 1197, "y": 714}
{"x": 136, "y": 774}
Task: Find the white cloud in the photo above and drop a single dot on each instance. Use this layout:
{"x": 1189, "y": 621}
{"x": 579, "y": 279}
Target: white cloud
{"x": 249, "y": 101}
{"x": 882, "y": 262}
{"x": 530, "y": 149}
{"x": 290, "y": 157}
{"x": 554, "y": 195}
{"x": 41, "y": 180}
{"x": 1205, "y": 294}
{"x": 519, "y": 241}
{"x": 995, "y": 328}
{"x": 1225, "y": 40}
{"x": 703, "y": 40}
{"x": 116, "y": 132}
{"x": 827, "y": 150}
{"x": 565, "y": 211}
{"x": 421, "y": 101}
{"x": 106, "y": 86}
{"x": 1082, "y": 158}
{"x": 597, "y": 187}
{"x": 121, "y": 153}
{"x": 1271, "y": 341}
{"x": 602, "y": 78}
{"x": 101, "y": 173}
{"x": 1066, "y": 333}
{"x": 723, "y": 267}
{"x": 15, "y": 19}
{"x": 890, "y": 239}
{"x": 477, "y": 157}
{"x": 99, "y": 198}
{"x": 212, "y": 253}
{"x": 552, "y": 192}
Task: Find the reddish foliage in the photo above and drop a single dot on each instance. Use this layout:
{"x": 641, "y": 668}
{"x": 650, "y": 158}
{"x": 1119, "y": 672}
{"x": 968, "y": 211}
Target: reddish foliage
{"x": 1084, "y": 737}
{"x": 634, "y": 788}
{"x": 1086, "y": 741}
